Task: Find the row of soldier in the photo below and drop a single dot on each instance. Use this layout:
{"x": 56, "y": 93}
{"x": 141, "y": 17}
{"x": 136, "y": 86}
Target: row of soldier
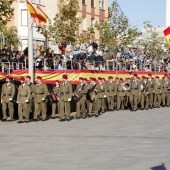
{"x": 96, "y": 94}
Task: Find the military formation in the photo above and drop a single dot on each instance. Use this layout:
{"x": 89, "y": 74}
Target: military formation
{"x": 92, "y": 97}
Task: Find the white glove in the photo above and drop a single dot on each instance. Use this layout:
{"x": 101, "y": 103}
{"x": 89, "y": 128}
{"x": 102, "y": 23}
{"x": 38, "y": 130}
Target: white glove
{"x": 26, "y": 101}
{"x": 69, "y": 99}
{"x": 17, "y": 101}
{"x": 104, "y": 96}
{"x": 43, "y": 99}
{"x": 10, "y": 99}
{"x": 58, "y": 99}
{"x": 1, "y": 101}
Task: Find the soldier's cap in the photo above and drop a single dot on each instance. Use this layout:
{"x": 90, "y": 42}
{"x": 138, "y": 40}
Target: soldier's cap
{"x": 22, "y": 79}
{"x": 104, "y": 79}
{"x": 8, "y": 77}
{"x": 94, "y": 79}
{"x": 80, "y": 78}
{"x": 28, "y": 77}
{"x": 121, "y": 79}
{"x": 91, "y": 78}
{"x": 39, "y": 77}
{"x": 165, "y": 75}
{"x": 65, "y": 76}
{"x": 57, "y": 81}
{"x": 157, "y": 77}
{"x": 110, "y": 77}
{"x": 149, "y": 74}
{"x": 135, "y": 75}
{"x": 143, "y": 77}
{"x": 116, "y": 78}
{"x": 85, "y": 79}
{"x": 138, "y": 78}
{"x": 99, "y": 78}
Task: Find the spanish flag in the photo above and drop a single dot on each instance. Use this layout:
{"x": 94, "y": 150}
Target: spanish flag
{"x": 167, "y": 36}
{"x": 40, "y": 18}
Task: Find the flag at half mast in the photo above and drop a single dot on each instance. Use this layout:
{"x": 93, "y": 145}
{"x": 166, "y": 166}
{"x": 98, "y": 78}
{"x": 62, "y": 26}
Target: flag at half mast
{"x": 167, "y": 36}
{"x": 40, "y": 18}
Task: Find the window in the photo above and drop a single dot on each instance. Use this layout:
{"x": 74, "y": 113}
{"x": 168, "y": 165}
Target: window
{"x": 84, "y": 24}
{"x": 92, "y": 3}
{"x": 83, "y": 2}
{"x": 24, "y": 17}
{"x": 101, "y": 4}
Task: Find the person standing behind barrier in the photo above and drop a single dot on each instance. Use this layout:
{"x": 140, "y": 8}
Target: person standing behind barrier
{"x": 23, "y": 98}
{"x": 136, "y": 92}
{"x": 30, "y": 103}
{"x": 151, "y": 90}
{"x": 65, "y": 95}
{"x": 81, "y": 103}
{"x": 7, "y": 99}
{"x": 40, "y": 95}
{"x": 110, "y": 93}
{"x": 158, "y": 92}
{"x": 55, "y": 101}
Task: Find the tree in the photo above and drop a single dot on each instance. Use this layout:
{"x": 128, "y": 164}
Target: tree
{"x": 65, "y": 24}
{"x": 117, "y": 32}
{"x": 6, "y": 12}
{"x": 152, "y": 41}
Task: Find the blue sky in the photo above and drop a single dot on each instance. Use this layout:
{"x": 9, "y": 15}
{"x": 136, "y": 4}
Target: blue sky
{"x": 139, "y": 11}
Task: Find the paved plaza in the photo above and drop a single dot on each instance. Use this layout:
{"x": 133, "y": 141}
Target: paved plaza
{"x": 119, "y": 140}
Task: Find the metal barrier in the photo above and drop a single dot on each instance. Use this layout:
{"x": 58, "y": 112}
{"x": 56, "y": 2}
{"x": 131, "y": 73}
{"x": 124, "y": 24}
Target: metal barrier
{"x": 7, "y": 67}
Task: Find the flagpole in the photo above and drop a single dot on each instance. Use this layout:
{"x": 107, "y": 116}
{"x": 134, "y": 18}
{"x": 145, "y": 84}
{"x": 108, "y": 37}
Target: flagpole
{"x": 30, "y": 48}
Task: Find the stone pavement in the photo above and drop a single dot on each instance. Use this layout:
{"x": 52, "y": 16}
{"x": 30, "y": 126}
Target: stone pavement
{"x": 119, "y": 140}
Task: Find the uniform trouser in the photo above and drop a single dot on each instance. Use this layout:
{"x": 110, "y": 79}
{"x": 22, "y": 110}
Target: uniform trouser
{"x": 30, "y": 108}
{"x": 95, "y": 104}
{"x": 151, "y": 101}
{"x": 134, "y": 101}
{"x": 81, "y": 107}
{"x": 144, "y": 101}
{"x": 120, "y": 102}
{"x": 157, "y": 100}
{"x": 101, "y": 104}
{"x": 128, "y": 100}
{"x": 166, "y": 98}
{"x": 23, "y": 111}
{"x": 65, "y": 109}
{"x": 40, "y": 107}
{"x": 55, "y": 108}
{"x": 110, "y": 101}
{"x": 10, "y": 106}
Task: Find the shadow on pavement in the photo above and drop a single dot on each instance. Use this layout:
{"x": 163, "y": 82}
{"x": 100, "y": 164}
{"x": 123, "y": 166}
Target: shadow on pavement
{"x": 160, "y": 167}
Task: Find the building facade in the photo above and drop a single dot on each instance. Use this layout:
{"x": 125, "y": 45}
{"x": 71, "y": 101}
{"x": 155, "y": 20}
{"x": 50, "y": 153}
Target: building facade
{"x": 92, "y": 11}
{"x": 20, "y": 20}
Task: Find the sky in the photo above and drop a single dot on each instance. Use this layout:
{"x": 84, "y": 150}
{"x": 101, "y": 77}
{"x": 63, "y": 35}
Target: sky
{"x": 139, "y": 11}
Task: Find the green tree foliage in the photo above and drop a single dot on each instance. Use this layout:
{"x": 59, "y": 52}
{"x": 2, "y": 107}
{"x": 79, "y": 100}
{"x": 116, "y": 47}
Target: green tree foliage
{"x": 117, "y": 32}
{"x": 65, "y": 24}
{"x": 152, "y": 41}
{"x": 6, "y": 12}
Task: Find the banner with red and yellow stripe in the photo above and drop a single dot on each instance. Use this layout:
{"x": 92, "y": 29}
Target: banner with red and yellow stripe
{"x": 167, "y": 36}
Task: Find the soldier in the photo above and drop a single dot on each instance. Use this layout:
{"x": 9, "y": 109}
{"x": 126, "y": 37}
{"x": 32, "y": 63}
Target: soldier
{"x": 120, "y": 95}
{"x": 151, "y": 90}
{"x": 135, "y": 91}
{"x": 30, "y": 103}
{"x": 55, "y": 102}
{"x": 128, "y": 96}
{"x": 105, "y": 100}
{"x": 101, "y": 95}
{"x": 40, "y": 95}
{"x": 65, "y": 95}
{"x": 23, "y": 98}
{"x": 158, "y": 91}
{"x": 7, "y": 99}
{"x": 93, "y": 100}
{"x": 81, "y": 103}
{"x": 166, "y": 91}
{"x": 144, "y": 94}
{"x": 111, "y": 93}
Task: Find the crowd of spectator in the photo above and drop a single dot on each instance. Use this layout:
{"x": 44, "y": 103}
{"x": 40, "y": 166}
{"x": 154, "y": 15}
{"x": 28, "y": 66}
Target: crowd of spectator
{"x": 85, "y": 57}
